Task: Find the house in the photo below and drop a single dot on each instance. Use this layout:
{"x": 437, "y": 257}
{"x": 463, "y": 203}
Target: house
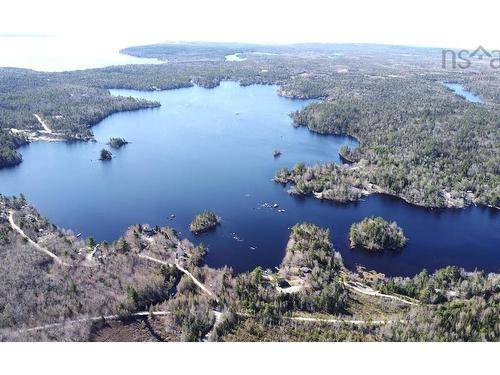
{"x": 147, "y": 231}
{"x": 282, "y": 283}
{"x": 180, "y": 254}
{"x": 97, "y": 253}
{"x": 305, "y": 270}
{"x": 267, "y": 285}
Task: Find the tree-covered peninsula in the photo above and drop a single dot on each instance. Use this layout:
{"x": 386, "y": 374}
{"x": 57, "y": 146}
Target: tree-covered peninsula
{"x": 9, "y": 142}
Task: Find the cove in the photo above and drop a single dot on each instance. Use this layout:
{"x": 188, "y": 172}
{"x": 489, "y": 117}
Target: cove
{"x": 213, "y": 149}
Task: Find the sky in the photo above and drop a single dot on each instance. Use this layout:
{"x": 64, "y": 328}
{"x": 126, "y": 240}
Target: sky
{"x": 436, "y": 23}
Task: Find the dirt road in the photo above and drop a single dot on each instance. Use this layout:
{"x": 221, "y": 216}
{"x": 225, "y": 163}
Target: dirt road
{"x": 33, "y": 243}
{"x": 46, "y": 129}
{"x": 180, "y": 268}
{"x": 365, "y": 289}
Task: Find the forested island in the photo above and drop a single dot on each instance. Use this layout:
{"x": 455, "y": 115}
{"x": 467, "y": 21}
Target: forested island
{"x": 155, "y": 279}
{"x": 204, "y": 221}
{"x": 375, "y": 233}
{"x": 117, "y": 142}
{"x": 105, "y": 155}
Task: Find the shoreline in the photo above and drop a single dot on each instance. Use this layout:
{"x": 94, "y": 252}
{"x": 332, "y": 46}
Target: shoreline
{"x": 355, "y": 271}
{"x": 378, "y": 190}
{"x": 50, "y": 136}
{"x": 345, "y": 160}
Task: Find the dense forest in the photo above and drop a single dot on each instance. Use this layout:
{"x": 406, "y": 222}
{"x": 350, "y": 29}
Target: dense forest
{"x": 217, "y": 51}
{"x": 416, "y": 141}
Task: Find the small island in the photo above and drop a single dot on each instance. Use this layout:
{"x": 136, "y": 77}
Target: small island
{"x": 203, "y": 222}
{"x": 375, "y": 233}
{"x": 117, "y": 142}
{"x": 105, "y": 155}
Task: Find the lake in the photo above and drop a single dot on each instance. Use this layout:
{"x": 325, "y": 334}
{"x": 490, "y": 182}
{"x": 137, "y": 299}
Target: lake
{"x": 460, "y": 90}
{"x": 234, "y": 57}
{"x": 213, "y": 149}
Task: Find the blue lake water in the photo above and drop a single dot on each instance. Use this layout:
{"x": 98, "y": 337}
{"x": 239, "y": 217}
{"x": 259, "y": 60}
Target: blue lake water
{"x": 459, "y": 90}
{"x": 212, "y": 149}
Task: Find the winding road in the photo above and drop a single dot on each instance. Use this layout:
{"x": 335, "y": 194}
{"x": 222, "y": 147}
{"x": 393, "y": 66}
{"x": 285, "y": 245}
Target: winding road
{"x": 180, "y": 268}
{"x": 218, "y": 320}
{"x": 365, "y": 289}
{"x": 33, "y": 243}
{"x": 341, "y": 321}
{"x": 92, "y": 319}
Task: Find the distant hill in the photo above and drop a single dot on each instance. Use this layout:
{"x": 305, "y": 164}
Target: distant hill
{"x": 164, "y": 51}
